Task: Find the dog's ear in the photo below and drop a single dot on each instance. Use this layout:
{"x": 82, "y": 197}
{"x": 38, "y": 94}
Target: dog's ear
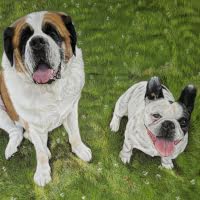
{"x": 70, "y": 27}
{"x": 154, "y": 89}
{"x": 187, "y": 97}
{"x": 8, "y": 46}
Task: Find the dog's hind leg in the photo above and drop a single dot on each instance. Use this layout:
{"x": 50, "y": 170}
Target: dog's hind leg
{"x": 15, "y": 132}
{"x": 121, "y": 109}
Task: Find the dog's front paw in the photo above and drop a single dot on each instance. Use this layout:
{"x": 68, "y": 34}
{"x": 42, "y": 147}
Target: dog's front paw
{"x": 168, "y": 164}
{"x": 114, "y": 124}
{"x": 83, "y": 152}
{"x": 125, "y": 157}
{"x": 12, "y": 145}
{"x": 42, "y": 176}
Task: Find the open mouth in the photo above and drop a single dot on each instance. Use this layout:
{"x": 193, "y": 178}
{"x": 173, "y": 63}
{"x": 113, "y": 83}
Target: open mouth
{"x": 45, "y": 74}
{"x": 163, "y": 146}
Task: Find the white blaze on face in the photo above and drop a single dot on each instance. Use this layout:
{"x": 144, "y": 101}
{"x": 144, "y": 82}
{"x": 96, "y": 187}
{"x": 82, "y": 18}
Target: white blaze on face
{"x": 35, "y": 20}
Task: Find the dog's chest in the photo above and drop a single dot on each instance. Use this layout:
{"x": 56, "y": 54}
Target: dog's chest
{"x": 45, "y": 106}
{"x": 139, "y": 137}
{"x": 49, "y": 111}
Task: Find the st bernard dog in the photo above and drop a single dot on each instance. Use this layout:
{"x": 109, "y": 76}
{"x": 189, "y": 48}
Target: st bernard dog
{"x": 40, "y": 85}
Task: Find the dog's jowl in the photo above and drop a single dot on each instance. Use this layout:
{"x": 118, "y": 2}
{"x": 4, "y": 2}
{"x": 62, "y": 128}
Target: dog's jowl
{"x": 40, "y": 85}
{"x": 157, "y": 124}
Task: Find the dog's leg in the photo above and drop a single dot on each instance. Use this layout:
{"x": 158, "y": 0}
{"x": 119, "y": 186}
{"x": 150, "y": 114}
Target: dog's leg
{"x": 44, "y": 139}
{"x": 15, "y": 132}
{"x": 126, "y": 152}
{"x": 42, "y": 175}
{"x": 119, "y": 112}
{"x": 72, "y": 128}
{"x": 167, "y": 163}
{"x": 121, "y": 109}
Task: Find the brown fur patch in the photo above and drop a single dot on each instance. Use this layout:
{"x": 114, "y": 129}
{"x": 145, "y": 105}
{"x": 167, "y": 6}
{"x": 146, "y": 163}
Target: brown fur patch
{"x": 18, "y": 26}
{"x": 56, "y": 20}
{"x": 6, "y": 99}
{"x": 18, "y": 61}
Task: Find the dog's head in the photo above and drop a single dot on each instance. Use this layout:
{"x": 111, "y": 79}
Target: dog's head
{"x": 39, "y": 44}
{"x": 167, "y": 122}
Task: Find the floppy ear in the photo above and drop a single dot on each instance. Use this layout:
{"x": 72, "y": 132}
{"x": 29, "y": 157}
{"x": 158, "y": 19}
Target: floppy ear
{"x": 70, "y": 27}
{"x": 8, "y": 46}
{"x": 187, "y": 97}
{"x": 154, "y": 89}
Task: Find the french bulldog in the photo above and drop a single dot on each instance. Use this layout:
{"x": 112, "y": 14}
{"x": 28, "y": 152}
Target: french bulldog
{"x": 157, "y": 124}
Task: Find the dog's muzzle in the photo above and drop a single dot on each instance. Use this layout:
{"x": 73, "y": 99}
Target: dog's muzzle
{"x": 163, "y": 146}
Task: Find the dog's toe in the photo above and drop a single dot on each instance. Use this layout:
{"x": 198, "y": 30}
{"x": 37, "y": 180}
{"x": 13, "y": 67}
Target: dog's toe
{"x": 83, "y": 152}
{"x": 10, "y": 150}
{"x": 168, "y": 165}
{"x": 114, "y": 124}
{"x": 13, "y": 143}
{"x": 125, "y": 158}
{"x": 42, "y": 176}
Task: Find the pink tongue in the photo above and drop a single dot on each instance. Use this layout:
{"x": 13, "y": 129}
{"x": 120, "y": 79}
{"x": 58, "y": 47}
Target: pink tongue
{"x": 164, "y": 147}
{"x": 43, "y": 74}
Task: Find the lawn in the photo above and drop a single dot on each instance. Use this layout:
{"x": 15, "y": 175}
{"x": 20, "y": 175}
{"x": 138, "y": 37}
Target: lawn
{"x": 123, "y": 42}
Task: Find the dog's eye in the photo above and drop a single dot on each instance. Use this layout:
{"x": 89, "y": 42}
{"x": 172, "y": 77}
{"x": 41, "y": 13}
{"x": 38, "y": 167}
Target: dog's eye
{"x": 156, "y": 116}
{"x": 25, "y": 35}
{"x": 51, "y": 31}
{"x": 183, "y": 122}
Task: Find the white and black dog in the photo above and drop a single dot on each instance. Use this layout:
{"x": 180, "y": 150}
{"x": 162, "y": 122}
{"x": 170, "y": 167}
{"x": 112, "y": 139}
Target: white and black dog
{"x": 40, "y": 85}
{"x": 157, "y": 124}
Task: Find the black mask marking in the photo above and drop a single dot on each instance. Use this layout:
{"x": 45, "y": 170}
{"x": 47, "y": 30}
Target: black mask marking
{"x": 26, "y": 33}
{"x": 70, "y": 27}
{"x": 184, "y": 120}
{"x": 184, "y": 124}
{"x": 51, "y": 31}
{"x": 8, "y": 46}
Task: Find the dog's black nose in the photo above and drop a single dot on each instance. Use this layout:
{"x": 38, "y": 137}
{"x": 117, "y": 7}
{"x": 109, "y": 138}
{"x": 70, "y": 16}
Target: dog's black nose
{"x": 167, "y": 129}
{"x": 37, "y": 43}
{"x": 168, "y": 125}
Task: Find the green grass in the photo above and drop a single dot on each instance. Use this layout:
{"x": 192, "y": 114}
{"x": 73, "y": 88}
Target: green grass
{"x": 123, "y": 42}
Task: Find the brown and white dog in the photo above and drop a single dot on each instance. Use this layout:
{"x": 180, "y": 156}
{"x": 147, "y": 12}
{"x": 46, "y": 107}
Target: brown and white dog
{"x": 40, "y": 85}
